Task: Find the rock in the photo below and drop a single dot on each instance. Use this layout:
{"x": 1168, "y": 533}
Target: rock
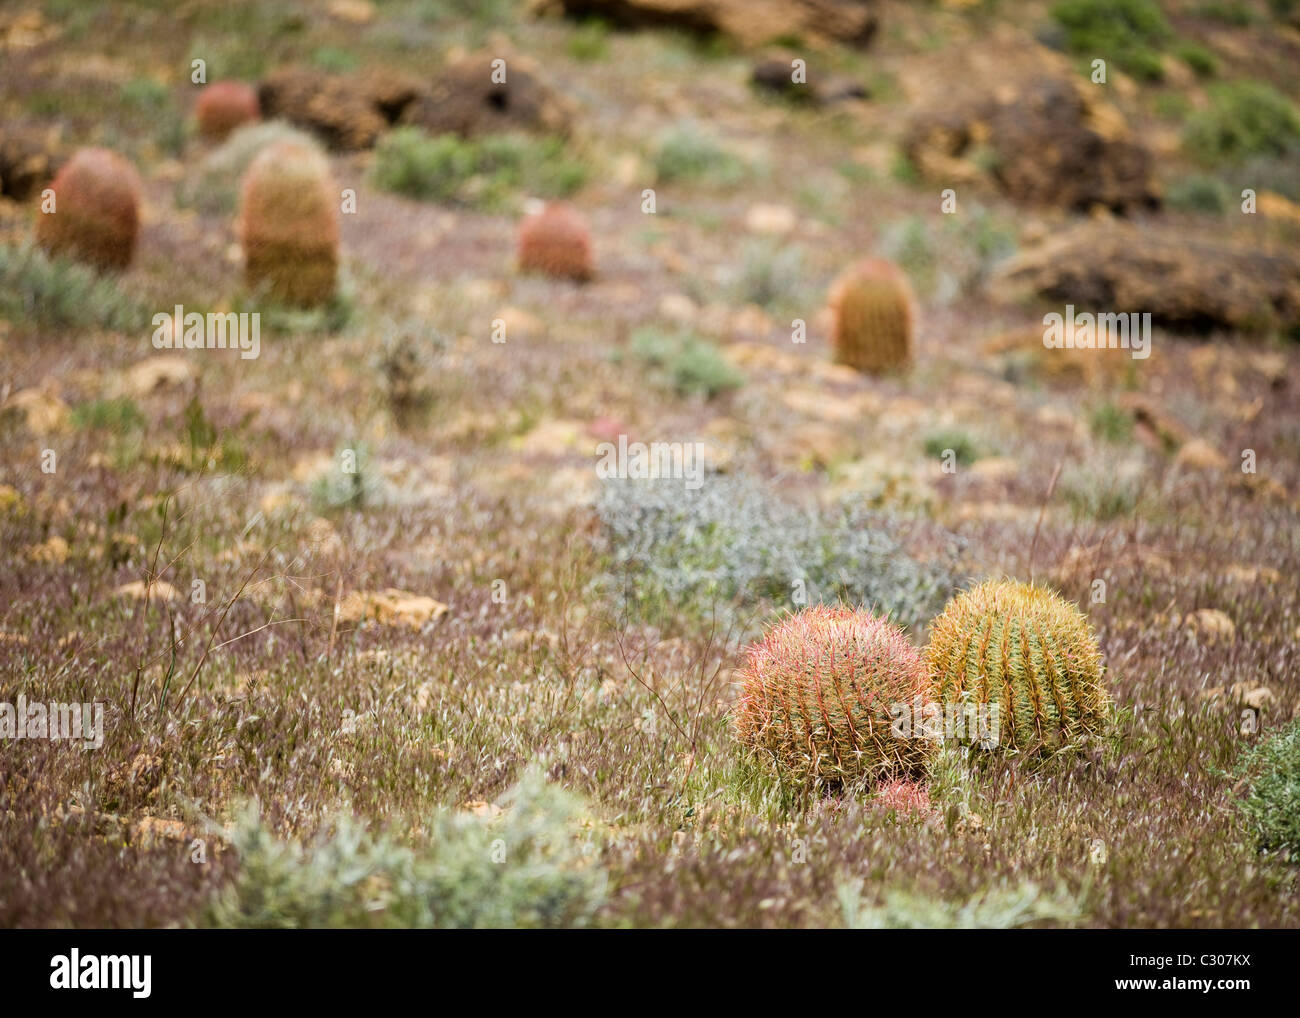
{"x": 1246, "y": 575}
{"x": 354, "y": 12}
{"x": 748, "y": 22}
{"x": 348, "y": 111}
{"x": 43, "y": 412}
{"x": 29, "y": 158}
{"x": 1198, "y": 454}
{"x": 164, "y": 371}
{"x": 770, "y": 219}
{"x": 158, "y": 590}
{"x": 1185, "y": 280}
{"x": 463, "y": 99}
{"x": 54, "y": 551}
{"x": 1044, "y": 137}
{"x": 1211, "y": 624}
{"x": 519, "y": 324}
{"x": 390, "y": 607}
{"x": 777, "y": 75}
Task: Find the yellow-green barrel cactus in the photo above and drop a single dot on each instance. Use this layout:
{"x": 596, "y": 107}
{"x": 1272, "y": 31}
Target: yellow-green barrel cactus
{"x": 1026, "y": 650}
{"x": 871, "y": 316}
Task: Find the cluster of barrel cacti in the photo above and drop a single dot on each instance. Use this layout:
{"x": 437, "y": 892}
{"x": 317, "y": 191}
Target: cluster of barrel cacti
{"x": 871, "y": 312}
{"x": 821, "y": 693}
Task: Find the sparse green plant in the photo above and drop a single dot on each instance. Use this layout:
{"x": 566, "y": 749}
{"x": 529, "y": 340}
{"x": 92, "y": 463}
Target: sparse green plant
{"x": 1130, "y": 32}
{"x": 963, "y": 447}
{"x": 685, "y": 363}
{"x": 1110, "y": 423}
{"x": 1244, "y": 119}
{"x": 530, "y": 868}
{"x": 1198, "y": 193}
{"x": 771, "y": 274}
{"x": 688, "y": 152}
{"x": 999, "y": 907}
{"x": 1271, "y": 804}
{"x": 59, "y": 293}
{"x": 482, "y": 173}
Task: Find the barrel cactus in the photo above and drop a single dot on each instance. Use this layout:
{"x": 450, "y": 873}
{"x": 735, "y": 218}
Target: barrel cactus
{"x": 820, "y": 692}
{"x": 556, "y": 242}
{"x": 225, "y": 105}
{"x": 871, "y": 309}
{"x": 95, "y": 213}
{"x": 289, "y": 225}
{"x": 1027, "y": 650}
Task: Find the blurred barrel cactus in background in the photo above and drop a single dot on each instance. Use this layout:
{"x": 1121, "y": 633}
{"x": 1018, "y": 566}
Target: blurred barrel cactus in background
{"x": 556, "y": 241}
{"x": 95, "y": 213}
{"x": 871, "y": 310}
{"x": 225, "y": 105}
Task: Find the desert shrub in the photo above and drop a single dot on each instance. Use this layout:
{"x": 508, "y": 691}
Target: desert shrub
{"x": 734, "y": 549}
{"x": 405, "y": 363}
{"x": 994, "y": 908}
{"x": 1098, "y": 489}
{"x": 1244, "y": 119}
{"x": 1110, "y": 423}
{"x": 58, "y": 293}
{"x": 1271, "y": 805}
{"x": 687, "y": 152}
{"x": 1198, "y": 58}
{"x": 527, "y": 869}
{"x": 1129, "y": 32}
{"x": 964, "y": 448}
{"x": 1198, "y": 193}
{"x": 214, "y": 186}
{"x": 350, "y": 482}
{"x": 1026, "y": 650}
{"x": 685, "y": 363}
{"x": 589, "y": 41}
{"x": 118, "y": 414}
{"x": 818, "y": 693}
{"x": 480, "y": 173}
{"x": 771, "y": 273}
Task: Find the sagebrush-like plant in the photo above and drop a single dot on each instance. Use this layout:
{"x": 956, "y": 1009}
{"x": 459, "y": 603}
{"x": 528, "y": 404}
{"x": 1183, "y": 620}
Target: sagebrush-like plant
{"x": 96, "y": 213}
{"x": 556, "y": 241}
{"x": 531, "y": 868}
{"x": 224, "y": 106}
{"x": 1027, "y": 650}
{"x": 819, "y": 694}
{"x": 1271, "y": 805}
{"x": 871, "y": 309}
{"x": 289, "y": 225}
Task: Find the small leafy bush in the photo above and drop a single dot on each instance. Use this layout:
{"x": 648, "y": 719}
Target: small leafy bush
{"x": 1272, "y": 803}
{"x": 1244, "y": 119}
{"x": 685, "y": 363}
{"x": 214, "y": 186}
{"x": 527, "y": 869}
{"x": 994, "y": 908}
{"x": 963, "y": 446}
{"x": 58, "y": 293}
{"x": 733, "y": 546}
{"x": 478, "y": 173}
{"x": 1198, "y": 193}
{"x": 687, "y": 153}
{"x": 1129, "y": 32}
